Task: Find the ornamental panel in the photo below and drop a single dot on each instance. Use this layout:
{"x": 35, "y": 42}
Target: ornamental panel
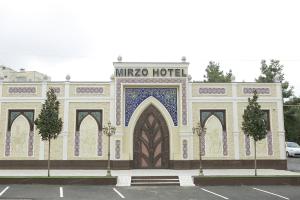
{"x": 220, "y": 114}
{"x": 12, "y": 115}
{"x": 89, "y": 90}
{"x": 250, "y": 90}
{"x": 135, "y": 96}
{"x": 181, "y": 81}
{"x": 212, "y": 90}
{"x": 22, "y": 90}
{"x": 80, "y": 115}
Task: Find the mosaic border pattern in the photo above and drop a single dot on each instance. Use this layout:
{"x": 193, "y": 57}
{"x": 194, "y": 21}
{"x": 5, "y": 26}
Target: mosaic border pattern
{"x": 181, "y": 81}
{"x": 89, "y": 90}
{"x": 248, "y": 90}
{"x": 210, "y": 90}
{"x": 22, "y": 90}
{"x": 184, "y": 149}
{"x": 118, "y": 149}
{"x": 135, "y": 96}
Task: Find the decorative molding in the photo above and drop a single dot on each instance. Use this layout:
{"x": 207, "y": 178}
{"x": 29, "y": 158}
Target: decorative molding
{"x": 117, "y": 149}
{"x": 212, "y": 90}
{"x": 89, "y": 90}
{"x": 135, "y": 96}
{"x": 22, "y": 90}
{"x": 259, "y": 90}
{"x": 184, "y": 149}
{"x": 181, "y": 81}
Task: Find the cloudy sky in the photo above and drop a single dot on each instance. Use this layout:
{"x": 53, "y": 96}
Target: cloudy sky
{"x": 83, "y": 38}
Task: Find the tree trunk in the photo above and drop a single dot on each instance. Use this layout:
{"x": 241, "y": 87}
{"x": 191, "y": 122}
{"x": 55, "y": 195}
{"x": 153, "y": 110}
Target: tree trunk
{"x": 255, "y": 166}
{"x": 49, "y": 157}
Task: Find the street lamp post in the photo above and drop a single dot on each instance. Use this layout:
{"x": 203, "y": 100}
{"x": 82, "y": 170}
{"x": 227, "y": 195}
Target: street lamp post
{"x": 109, "y": 131}
{"x": 199, "y": 130}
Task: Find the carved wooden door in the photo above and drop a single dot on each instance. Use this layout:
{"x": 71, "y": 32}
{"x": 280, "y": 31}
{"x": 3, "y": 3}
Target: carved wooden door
{"x": 151, "y": 140}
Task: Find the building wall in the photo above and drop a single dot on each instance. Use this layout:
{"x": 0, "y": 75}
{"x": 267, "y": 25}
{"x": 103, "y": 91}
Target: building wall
{"x": 184, "y": 145}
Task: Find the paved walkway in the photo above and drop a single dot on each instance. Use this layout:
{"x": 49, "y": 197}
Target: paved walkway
{"x": 148, "y": 172}
{"x": 124, "y": 176}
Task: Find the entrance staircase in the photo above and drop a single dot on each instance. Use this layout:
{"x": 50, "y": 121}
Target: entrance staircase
{"x": 154, "y": 180}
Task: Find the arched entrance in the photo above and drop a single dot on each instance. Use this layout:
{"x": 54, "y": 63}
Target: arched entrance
{"x": 151, "y": 140}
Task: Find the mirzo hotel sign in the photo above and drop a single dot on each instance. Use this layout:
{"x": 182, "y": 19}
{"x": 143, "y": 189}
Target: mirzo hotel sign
{"x": 150, "y": 72}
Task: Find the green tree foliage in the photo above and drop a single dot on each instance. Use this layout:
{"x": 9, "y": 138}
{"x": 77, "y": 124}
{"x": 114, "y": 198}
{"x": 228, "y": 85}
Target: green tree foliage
{"x": 48, "y": 122}
{"x": 274, "y": 73}
{"x": 254, "y": 124}
{"x": 215, "y": 75}
{"x": 292, "y": 119}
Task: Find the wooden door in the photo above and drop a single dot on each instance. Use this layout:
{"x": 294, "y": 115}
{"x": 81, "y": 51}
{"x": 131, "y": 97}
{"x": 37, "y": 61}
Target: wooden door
{"x": 151, "y": 140}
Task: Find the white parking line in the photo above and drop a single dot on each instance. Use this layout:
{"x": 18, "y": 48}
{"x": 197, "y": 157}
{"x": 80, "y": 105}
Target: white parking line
{"x": 214, "y": 193}
{"x": 4, "y": 190}
{"x": 61, "y": 192}
{"x": 271, "y": 193}
{"x": 119, "y": 193}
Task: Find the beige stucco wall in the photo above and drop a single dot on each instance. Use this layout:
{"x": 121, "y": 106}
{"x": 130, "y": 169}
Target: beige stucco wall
{"x": 105, "y": 86}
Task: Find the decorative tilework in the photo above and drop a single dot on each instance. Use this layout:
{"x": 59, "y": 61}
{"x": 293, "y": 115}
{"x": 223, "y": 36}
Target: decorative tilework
{"x": 258, "y": 90}
{"x": 135, "y": 96}
{"x": 80, "y": 115}
{"x": 181, "y": 81}
{"x": 219, "y": 114}
{"x": 14, "y": 114}
{"x": 208, "y": 90}
{"x": 269, "y": 140}
{"x": 117, "y": 149}
{"x": 89, "y": 90}
{"x": 247, "y": 145}
{"x": 22, "y": 90}
{"x": 203, "y": 144}
{"x": 184, "y": 149}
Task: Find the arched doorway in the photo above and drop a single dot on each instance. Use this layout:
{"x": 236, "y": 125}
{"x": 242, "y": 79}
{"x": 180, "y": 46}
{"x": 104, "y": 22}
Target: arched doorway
{"x": 151, "y": 140}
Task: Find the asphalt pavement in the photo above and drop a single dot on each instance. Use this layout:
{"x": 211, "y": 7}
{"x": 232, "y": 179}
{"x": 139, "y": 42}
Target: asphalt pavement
{"x": 149, "y": 193}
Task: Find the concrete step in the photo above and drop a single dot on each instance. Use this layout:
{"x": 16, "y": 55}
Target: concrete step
{"x": 154, "y": 180}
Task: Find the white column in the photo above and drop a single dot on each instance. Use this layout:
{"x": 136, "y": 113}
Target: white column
{"x": 190, "y": 120}
{"x": 42, "y": 143}
{"x": 66, "y": 121}
{"x": 236, "y": 133}
{"x": 281, "y": 132}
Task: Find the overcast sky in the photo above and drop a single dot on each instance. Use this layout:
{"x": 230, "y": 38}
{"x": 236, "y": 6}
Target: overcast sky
{"x": 83, "y": 38}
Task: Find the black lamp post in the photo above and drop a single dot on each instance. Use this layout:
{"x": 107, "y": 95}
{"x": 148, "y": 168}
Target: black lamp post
{"x": 199, "y": 130}
{"x": 109, "y": 131}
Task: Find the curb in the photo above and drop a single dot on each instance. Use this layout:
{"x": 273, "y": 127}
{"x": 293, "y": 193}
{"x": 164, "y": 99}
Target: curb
{"x": 246, "y": 180}
{"x": 59, "y": 181}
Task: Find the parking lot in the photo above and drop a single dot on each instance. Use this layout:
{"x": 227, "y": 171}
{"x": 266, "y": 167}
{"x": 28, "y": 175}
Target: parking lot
{"x": 293, "y": 164}
{"x": 149, "y": 193}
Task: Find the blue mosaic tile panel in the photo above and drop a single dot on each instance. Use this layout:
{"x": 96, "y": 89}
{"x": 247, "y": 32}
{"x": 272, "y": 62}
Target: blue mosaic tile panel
{"x": 135, "y": 96}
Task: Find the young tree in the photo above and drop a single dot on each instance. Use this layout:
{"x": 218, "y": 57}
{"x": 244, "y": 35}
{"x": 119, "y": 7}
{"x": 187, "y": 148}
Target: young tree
{"x": 215, "y": 75}
{"x": 48, "y": 122}
{"x": 254, "y": 124}
{"x": 292, "y": 119}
